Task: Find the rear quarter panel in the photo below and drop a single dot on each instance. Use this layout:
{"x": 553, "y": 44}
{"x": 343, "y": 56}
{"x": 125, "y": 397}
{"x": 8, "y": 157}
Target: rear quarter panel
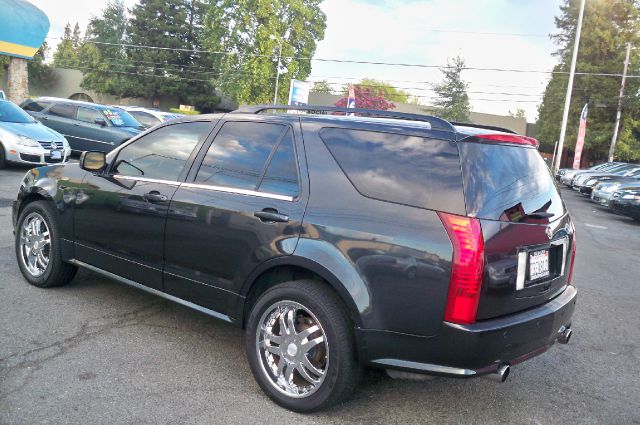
{"x": 401, "y": 255}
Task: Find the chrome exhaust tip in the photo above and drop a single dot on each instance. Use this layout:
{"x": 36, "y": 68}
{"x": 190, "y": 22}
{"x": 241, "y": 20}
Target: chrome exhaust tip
{"x": 500, "y": 375}
{"x": 564, "y": 336}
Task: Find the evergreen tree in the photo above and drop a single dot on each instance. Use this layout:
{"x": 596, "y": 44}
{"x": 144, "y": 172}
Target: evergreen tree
{"x": 452, "y": 100}
{"x": 175, "y": 68}
{"x": 607, "y": 27}
{"x": 66, "y": 55}
{"x": 251, "y": 33}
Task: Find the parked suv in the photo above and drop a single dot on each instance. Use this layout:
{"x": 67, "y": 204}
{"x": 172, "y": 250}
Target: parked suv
{"x": 87, "y": 126}
{"x": 388, "y": 240}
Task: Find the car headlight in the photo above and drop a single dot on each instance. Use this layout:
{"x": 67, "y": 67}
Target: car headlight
{"x": 591, "y": 182}
{"x": 26, "y": 141}
{"x": 611, "y": 188}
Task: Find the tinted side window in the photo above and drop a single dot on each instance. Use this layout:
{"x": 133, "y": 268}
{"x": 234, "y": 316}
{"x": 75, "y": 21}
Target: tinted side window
{"x": 36, "y": 106}
{"x": 63, "y": 110}
{"x": 408, "y": 170}
{"x": 88, "y": 115}
{"x": 281, "y": 176}
{"x": 237, "y": 156}
{"x": 163, "y": 153}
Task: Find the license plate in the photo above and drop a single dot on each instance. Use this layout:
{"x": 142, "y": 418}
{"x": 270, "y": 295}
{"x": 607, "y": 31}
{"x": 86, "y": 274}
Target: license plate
{"x": 538, "y": 264}
{"x": 56, "y": 155}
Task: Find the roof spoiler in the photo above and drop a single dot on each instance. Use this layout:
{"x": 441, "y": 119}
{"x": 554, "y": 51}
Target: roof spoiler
{"x": 436, "y": 123}
{"x": 485, "y": 127}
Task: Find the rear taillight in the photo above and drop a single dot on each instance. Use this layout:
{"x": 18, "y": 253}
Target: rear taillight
{"x": 514, "y": 139}
{"x": 573, "y": 256}
{"x": 466, "y": 271}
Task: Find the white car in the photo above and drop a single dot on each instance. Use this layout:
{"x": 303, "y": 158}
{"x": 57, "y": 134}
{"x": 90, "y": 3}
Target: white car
{"x": 149, "y": 117}
{"x": 24, "y": 140}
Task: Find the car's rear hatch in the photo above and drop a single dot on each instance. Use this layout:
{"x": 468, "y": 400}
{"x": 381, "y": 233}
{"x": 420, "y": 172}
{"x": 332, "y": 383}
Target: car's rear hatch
{"x": 525, "y": 226}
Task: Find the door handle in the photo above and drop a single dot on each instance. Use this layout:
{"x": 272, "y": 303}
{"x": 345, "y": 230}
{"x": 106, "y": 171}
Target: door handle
{"x": 270, "y": 215}
{"x": 155, "y": 196}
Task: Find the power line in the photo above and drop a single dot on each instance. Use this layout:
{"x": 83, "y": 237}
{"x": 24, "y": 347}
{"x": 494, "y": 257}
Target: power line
{"x": 363, "y": 62}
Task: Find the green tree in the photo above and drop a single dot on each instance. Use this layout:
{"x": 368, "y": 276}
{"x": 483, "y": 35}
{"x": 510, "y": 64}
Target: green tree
{"x": 519, "y": 113}
{"x": 40, "y": 73}
{"x": 322, "y": 86}
{"x": 105, "y": 66}
{"x": 66, "y": 54}
{"x": 251, "y": 33}
{"x": 389, "y": 92}
{"x": 175, "y": 68}
{"x": 452, "y": 100}
{"x": 607, "y": 27}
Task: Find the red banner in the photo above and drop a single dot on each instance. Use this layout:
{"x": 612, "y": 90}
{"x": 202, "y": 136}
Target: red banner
{"x": 581, "y": 133}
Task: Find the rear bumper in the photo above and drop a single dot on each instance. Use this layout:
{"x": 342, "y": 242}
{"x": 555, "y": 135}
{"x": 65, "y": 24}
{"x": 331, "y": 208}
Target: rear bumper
{"x": 472, "y": 350}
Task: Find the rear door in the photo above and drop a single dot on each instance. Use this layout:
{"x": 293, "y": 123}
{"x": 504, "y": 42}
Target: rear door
{"x": 61, "y": 117}
{"x": 242, "y": 205}
{"x": 527, "y": 231}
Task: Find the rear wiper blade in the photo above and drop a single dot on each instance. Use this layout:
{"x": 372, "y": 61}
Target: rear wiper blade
{"x": 539, "y": 214}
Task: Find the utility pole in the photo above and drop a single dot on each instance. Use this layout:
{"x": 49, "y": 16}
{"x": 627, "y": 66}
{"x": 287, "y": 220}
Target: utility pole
{"x": 275, "y": 95}
{"x": 567, "y": 100}
{"x": 614, "y": 139}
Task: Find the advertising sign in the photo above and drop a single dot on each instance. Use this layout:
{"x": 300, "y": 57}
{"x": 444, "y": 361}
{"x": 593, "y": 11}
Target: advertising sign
{"x": 581, "y": 133}
{"x": 299, "y": 93}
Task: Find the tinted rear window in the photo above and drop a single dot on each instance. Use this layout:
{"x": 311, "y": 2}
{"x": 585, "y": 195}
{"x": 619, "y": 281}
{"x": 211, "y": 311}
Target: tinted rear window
{"x": 507, "y": 183}
{"x": 408, "y": 170}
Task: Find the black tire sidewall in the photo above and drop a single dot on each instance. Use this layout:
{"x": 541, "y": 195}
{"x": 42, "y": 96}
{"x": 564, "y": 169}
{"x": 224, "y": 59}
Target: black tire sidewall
{"x": 337, "y": 349}
{"x": 3, "y": 157}
{"x": 54, "y": 258}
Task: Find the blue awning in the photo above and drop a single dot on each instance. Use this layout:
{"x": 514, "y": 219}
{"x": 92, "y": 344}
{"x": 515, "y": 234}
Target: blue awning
{"x": 23, "y": 28}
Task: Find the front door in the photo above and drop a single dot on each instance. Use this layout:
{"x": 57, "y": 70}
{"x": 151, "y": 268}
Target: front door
{"x": 121, "y": 214}
{"x": 242, "y": 206}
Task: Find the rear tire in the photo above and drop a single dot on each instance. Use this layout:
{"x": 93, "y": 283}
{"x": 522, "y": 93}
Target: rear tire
{"x": 300, "y": 346}
{"x": 38, "y": 247}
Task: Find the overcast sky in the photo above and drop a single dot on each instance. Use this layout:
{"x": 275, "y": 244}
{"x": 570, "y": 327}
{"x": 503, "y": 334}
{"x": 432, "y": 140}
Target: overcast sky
{"x": 505, "y": 34}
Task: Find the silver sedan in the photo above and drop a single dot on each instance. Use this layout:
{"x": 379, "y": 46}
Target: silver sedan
{"x": 24, "y": 140}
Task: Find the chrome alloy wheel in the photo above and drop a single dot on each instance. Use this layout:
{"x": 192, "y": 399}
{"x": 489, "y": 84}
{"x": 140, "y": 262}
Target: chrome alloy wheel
{"x": 35, "y": 244}
{"x": 292, "y": 349}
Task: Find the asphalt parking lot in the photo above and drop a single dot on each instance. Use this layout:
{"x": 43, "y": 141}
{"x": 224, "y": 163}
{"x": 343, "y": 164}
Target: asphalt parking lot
{"x": 96, "y": 351}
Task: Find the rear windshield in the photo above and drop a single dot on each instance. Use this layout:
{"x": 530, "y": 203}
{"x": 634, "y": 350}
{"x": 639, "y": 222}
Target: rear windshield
{"x": 508, "y": 183}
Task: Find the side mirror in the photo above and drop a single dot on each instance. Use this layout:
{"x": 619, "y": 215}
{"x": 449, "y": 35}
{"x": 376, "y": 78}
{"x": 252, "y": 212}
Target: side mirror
{"x": 93, "y": 161}
{"x": 100, "y": 121}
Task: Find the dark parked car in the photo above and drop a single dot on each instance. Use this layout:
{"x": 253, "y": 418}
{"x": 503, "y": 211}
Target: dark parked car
{"x": 87, "y": 126}
{"x": 396, "y": 241}
{"x": 587, "y": 184}
{"x": 627, "y": 202}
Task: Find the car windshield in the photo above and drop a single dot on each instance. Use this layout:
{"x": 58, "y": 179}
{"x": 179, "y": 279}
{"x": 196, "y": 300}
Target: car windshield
{"x": 10, "y": 112}
{"x": 120, "y": 118}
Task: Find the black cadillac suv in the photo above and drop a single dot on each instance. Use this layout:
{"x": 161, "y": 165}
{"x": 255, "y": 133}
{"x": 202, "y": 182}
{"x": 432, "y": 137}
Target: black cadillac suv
{"x": 388, "y": 240}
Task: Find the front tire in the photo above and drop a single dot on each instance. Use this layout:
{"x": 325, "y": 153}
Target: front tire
{"x": 3, "y": 157}
{"x": 300, "y": 346}
{"x": 38, "y": 250}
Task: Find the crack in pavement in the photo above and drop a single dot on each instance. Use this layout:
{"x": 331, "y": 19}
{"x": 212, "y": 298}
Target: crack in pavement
{"x": 32, "y": 360}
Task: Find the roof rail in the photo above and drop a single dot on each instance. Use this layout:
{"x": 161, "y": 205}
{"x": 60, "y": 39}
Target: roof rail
{"x": 486, "y": 127}
{"x": 436, "y": 123}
